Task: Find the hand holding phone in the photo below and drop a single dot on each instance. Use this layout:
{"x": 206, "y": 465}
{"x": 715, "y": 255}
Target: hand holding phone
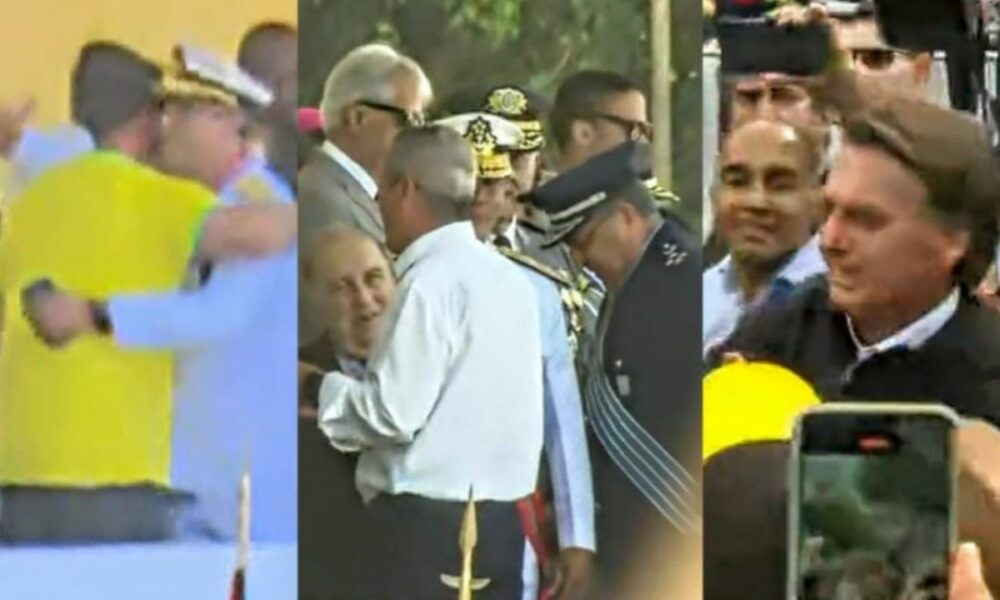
{"x": 873, "y": 502}
{"x": 793, "y": 40}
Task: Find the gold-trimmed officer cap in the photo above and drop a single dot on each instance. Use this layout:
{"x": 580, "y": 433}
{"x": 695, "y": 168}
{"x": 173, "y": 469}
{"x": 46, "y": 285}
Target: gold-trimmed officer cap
{"x": 197, "y": 74}
{"x": 520, "y": 107}
{"x": 491, "y": 138}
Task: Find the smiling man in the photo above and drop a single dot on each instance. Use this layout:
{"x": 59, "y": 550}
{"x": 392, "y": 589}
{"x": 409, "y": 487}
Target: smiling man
{"x": 909, "y": 232}
{"x": 353, "y": 281}
{"x": 768, "y": 204}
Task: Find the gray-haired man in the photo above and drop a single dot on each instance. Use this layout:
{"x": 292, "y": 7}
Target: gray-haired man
{"x": 451, "y": 397}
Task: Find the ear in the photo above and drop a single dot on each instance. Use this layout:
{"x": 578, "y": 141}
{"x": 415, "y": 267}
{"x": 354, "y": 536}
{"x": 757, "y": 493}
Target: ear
{"x": 922, "y": 67}
{"x": 351, "y": 117}
{"x": 629, "y": 214}
{"x": 582, "y": 132}
{"x": 957, "y": 246}
{"x": 408, "y": 187}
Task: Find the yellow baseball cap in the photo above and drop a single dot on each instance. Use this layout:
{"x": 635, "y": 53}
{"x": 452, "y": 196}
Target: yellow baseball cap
{"x": 751, "y": 402}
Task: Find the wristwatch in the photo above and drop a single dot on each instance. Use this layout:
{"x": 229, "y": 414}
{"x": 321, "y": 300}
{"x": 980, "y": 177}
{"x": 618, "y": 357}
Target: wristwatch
{"x": 99, "y": 316}
{"x": 309, "y": 391}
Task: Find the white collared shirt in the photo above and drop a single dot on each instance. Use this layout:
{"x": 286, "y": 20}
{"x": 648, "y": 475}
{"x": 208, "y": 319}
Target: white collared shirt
{"x": 722, "y": 298}
{"x": 362, "y": 176}
{"x": 914, "y": 335}
{"x": 452, "y": 393}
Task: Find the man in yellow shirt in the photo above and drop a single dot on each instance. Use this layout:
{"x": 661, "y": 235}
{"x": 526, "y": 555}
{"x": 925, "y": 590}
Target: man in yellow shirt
{"x": 85, "y": 430}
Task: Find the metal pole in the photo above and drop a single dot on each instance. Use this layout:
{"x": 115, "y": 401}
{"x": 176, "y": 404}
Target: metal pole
{"x": 663, "y": 78}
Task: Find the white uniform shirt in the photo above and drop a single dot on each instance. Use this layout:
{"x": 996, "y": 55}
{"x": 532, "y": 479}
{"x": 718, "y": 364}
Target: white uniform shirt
{"x": 452, "y": 394}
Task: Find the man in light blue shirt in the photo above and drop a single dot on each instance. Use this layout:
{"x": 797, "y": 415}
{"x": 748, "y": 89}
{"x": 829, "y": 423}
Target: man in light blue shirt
{"x": 235, "y": 389}
{"x": 768, "y": 205}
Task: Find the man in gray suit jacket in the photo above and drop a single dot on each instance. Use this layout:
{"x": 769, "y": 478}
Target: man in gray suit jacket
{"x": 369, "y": 97}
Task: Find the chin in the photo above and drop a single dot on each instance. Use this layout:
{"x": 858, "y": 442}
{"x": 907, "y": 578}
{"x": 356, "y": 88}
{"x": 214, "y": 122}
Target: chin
{"x": 845, "y": 300}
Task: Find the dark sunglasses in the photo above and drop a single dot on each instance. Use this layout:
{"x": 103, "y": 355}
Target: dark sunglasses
{"x": 635, "y": 130}
{"x": 877, "y": 59}
{"x": 403, "y": 117}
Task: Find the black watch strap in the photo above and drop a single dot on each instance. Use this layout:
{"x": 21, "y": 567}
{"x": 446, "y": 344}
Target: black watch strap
{"x": 99, "y": 314}
{"x": 310, "y": 388}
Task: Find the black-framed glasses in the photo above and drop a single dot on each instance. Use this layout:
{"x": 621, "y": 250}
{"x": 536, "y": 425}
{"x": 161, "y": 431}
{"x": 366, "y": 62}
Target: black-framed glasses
{"x": 877, "y": 59}
{"x": 403, "y": 117}
{"x": 635, "y": 130}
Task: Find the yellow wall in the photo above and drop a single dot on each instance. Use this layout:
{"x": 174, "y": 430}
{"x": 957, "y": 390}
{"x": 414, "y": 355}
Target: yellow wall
{"x": 39, "y": 39}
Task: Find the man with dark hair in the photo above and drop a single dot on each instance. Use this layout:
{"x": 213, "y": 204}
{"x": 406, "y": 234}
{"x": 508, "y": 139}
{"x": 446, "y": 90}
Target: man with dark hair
{"x": 909, "y": 233}
{"x": 641, "y": 389}
{"x": 111, "y": 97}
{"x": 144, "y": 228}
{"x": 595, "y": 111}
{"x": 269, "y": 52}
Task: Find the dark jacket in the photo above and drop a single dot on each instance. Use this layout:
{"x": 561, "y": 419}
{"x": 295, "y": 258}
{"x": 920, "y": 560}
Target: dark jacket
{"x": 651, "y": 357}
{"x": 959, "y": 366}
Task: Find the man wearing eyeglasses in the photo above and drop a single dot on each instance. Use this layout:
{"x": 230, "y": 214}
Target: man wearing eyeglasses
{"x": 369, "y": 97}
{"x": 595, "y": 111}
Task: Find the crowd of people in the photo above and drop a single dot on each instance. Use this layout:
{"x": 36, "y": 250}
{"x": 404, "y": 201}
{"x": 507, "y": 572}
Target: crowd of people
{"x": 855, "y": 222}
{"x": 491, "y": 278}
{"x": 148, "y": 273}
{"x": 496, "y": 307}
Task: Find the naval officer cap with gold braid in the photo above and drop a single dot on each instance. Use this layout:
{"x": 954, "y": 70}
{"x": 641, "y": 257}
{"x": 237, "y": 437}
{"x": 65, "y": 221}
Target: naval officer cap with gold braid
{"x": 196, "y": 74}
{"x": 491, "y": 138}
{"x": 521, "y": 107}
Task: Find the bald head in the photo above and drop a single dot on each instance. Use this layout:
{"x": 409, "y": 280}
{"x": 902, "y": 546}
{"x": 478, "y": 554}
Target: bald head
{"x": 769, "y": 196}
{"x": 350, "y": 278}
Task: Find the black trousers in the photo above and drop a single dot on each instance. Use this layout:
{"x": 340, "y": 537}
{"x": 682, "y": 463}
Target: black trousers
{"x": 414, "y": 541}
{"x": 46, "y": 515}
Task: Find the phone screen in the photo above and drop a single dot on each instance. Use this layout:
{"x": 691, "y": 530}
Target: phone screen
{"x": 874, "y": 507}
{"x": 751, "y": 47}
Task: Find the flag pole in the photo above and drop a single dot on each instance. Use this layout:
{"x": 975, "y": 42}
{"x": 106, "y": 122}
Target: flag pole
{"x": 238, "y": 588}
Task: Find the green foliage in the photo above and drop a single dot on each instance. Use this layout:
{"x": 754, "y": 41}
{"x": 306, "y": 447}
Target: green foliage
{"x": 535, "y": 43}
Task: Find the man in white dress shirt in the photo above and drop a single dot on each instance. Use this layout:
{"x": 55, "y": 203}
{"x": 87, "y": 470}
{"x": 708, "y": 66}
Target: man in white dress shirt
{"x": 451, "y": 398}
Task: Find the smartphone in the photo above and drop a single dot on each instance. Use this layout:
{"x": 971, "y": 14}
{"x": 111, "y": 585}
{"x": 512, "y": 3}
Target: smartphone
{"x": 749, "y": 46}
{"x": 904, "y": 23}
{"x": 872, "y": 507}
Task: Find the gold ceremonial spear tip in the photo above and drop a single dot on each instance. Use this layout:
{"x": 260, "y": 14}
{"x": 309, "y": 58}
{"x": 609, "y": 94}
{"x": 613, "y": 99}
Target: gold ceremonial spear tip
{"x": 468, "y": 537}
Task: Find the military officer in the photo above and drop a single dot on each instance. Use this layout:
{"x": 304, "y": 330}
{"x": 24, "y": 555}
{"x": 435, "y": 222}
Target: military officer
{"x": 564, "y": 434}
{"x": 642, "y": 386}
{"x": 582, "y": 292}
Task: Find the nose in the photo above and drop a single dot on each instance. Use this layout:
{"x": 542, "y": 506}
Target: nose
{"x": 766, "y": 108}
{"x": 366, "y": 299}
{"x": 753, "y": 197}
{"x": 833, "y": 235}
